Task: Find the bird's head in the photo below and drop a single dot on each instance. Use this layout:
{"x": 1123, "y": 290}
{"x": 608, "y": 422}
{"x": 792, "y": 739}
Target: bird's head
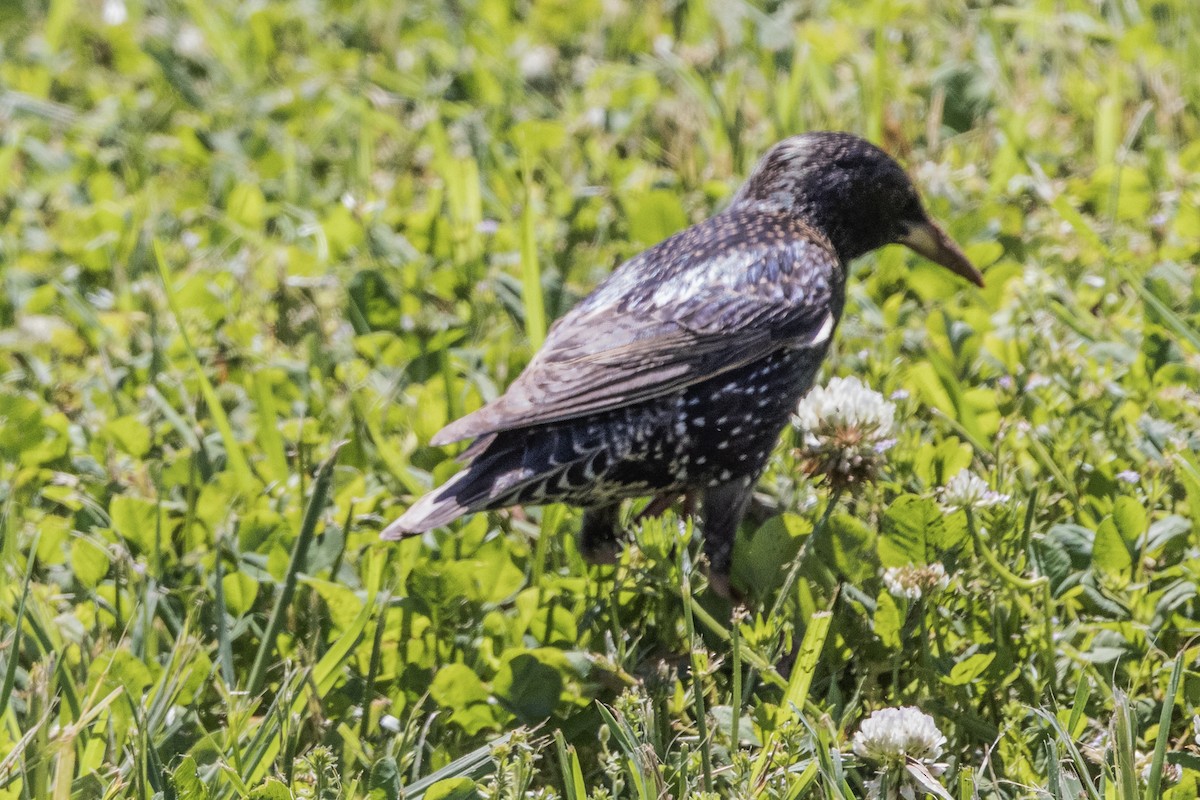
{"x": 855, "y": 194}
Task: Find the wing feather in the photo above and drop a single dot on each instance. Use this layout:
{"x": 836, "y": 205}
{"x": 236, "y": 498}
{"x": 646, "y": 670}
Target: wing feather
{"x": 691, "y": 327}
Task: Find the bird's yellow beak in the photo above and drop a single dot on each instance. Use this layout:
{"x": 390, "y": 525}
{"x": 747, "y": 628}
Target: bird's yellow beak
{"x": 932, "y": 242}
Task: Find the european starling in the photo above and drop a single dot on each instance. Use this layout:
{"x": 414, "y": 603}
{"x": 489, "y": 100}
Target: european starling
{"x": 678, "y": 373}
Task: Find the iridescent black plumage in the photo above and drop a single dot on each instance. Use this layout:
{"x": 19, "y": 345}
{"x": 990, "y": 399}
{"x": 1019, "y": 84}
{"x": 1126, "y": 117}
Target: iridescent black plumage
{"x": 679, "y": 371}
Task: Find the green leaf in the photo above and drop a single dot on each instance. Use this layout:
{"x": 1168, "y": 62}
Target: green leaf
{"x": 937, "y": 463}
{"x": 761, "y": 561}
{"x": 969, "y": 669}
{"x": 452, "y": 789}
{"x": 373, "y": 302}
{"x": 270, "y": 789}
{"x": 130, "y": 435}
{"x": 915, "y": 530}
{"x": 457, "y": 686}
{"x": 807, "y": 659}
{"x": 135, "y": 520}
{"x": 121, "y": 668}
{"x": 240, "y": 592}
{"x": 553, "y": 625}
{"x": 572, "y": 772}
{"x": 233, "y": 449}
{"x": 186, "y": 781}
{"x": 246, "y": 206}
{"x": 654, "y": 215}
{"x": 853, "y": 546}
{"x": 493, "y": 574}
{"x": 1130, "y": 519}
{"x": 89, "y": 561}
{"x": 529, "y": 687}
{"x": 342, "y": 603}
{"x": 1111, "y": 553}
{"x": 1166, "y": 530}
{"x": 21, "y": 427}
{"x": 888, "y": 620}
{"x": 308, "y": 527}
{"x": 384, "y": 782}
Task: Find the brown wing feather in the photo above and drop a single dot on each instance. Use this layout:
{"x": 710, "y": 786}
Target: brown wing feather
{"x": 597, "y": 359}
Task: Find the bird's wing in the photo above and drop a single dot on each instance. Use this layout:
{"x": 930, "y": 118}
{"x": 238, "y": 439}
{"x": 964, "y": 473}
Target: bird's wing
{"x": 673, "y": 335}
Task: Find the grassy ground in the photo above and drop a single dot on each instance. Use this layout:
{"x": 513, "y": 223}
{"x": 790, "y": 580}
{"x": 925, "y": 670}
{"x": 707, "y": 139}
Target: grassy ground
{"x": 236, "y": 236}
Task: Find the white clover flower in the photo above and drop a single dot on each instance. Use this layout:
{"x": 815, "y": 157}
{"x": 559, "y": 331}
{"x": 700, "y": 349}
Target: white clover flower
{"x": 1036, "y": 382}
{"x": 1170, "y": 774}
{"x": 537, "y": 62}
{"x": 1196, "y": 727}
{"x": 1128, "y": 476}
{"x": 846, "y": 429}
{"x": 114, "y": 12}
{"x": 891, "y": 736}
{"x": 968, "y": 490}
{"x": 913, "y": 582}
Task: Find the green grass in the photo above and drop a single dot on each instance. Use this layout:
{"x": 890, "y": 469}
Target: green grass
{"x": 240, "y": 239}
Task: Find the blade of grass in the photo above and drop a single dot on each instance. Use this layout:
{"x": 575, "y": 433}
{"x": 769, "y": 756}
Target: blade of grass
{"x": 474, "y": 764}
{"x": 572, "y": 774}
{"x": 806, "y": 662}
{"x": 308, "y": 529}
{"x": 224, "y": 645}
{"x": 328, "y": 669}
{"x": 1082, "y": 692}
{"x": 1164, "y": 726}
{"x": 1123, "y": 747}
{"x": 233, "y": 449}
{"x": 531, "y": 275}
{"x": 14, "y": 652}
{"x": 269, "y": 440}
{"x": 634, "y": 755}
{"x": 1081, "y": 766}
{"x": 697, "y": 685}
{"x": 753, "y": 658}
{"x": 735, "y": 629}
{"x": 398, "y": 466}
{"x": 798, "y": 685}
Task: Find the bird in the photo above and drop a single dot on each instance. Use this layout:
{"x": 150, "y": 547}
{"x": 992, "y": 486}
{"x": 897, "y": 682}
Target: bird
{"x": 678, "y": 373}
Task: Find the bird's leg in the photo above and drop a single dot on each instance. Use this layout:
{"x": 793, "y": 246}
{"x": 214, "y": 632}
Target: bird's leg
{"x": 662, "y": 502}
{"x": 599, "y": 536}
{"x": 689, "y": 504}
{"x": 657, "y": 506}
{"x": 724, "y": 507}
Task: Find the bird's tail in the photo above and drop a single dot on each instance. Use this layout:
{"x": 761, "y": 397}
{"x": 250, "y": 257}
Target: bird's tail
{"x": 494, "y": 470}
{"x": 438, "y": 508}
{"x": 503, "y": 471}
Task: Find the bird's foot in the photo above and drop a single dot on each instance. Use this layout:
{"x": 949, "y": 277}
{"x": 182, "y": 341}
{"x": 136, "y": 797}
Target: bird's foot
{"x": 720, "y": 584}
{"x": 601, "y": 554}
{"x": 664, "y": 501}
{"x": 600, "y": 540}
{"x": 656, "y": 507}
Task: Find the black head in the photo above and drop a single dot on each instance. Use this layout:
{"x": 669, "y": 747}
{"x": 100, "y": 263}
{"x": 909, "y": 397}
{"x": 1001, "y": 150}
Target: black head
{"x": 854, "y": 193}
